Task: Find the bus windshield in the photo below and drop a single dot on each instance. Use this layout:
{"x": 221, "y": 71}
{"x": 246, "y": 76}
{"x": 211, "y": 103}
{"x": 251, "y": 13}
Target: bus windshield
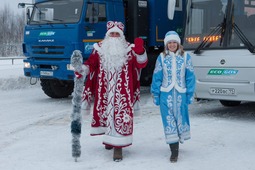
{"x": 227, "y": 24}
{"x": 53, "y": 12}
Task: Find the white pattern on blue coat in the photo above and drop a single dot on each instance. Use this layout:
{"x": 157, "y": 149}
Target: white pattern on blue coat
{"x": 173, "y": 85}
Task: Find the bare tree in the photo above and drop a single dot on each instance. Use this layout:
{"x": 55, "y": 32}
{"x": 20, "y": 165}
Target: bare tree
{"x": 11, "y": 32}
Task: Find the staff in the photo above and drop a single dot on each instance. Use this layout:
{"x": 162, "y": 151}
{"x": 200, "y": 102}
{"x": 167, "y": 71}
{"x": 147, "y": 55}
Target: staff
{"x": 76, "y": 62}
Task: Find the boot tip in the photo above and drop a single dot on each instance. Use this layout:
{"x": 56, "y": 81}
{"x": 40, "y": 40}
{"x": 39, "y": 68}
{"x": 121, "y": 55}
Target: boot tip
{"x": 117, "y": 159}
{"x": 173, "y": 161}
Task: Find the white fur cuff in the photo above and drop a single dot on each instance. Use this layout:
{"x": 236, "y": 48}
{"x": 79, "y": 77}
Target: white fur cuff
{"x": 141, "y": 58}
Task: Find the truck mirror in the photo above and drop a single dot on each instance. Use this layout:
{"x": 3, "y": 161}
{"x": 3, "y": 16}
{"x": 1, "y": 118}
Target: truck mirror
{"x": 21, "y": 5}
{"x": 170, "y": 9}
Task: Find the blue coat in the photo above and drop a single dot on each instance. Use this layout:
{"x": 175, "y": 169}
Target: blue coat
{"x": 173, "y": 86}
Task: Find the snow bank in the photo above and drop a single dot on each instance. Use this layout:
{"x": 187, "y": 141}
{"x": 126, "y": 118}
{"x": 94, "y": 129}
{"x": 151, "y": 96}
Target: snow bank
{"x": 12, "y": 76}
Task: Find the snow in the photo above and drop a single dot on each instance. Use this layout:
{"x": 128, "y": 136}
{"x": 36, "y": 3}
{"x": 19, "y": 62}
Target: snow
{"x": 12, "y": 75}
{"x": 35, "y": 133}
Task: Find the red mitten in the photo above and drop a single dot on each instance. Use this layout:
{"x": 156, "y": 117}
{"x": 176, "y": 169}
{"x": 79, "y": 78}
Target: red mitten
{"x": 78, "y": 75}
{"x": 138, "y": 48}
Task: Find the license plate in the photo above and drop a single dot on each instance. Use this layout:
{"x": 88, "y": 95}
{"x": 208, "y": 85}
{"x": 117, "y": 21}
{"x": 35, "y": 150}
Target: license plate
{"x": 46, "y": 73}
{"x": 223, "y": 91}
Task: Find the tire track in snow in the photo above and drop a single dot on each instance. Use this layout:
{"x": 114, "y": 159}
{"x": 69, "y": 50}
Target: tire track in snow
{"x": 55, "y": 118}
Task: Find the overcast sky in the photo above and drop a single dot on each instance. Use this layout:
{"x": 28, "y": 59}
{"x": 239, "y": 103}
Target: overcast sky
{"x": 13, "y": 4}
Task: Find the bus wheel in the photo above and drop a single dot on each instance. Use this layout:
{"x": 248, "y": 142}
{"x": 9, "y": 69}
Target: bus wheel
{"x": 230, "y": 103}
{"x": 57, "y": 88}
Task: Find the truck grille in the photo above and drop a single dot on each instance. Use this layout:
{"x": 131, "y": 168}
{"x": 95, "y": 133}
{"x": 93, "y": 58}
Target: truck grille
{"x": 48, "y": 50}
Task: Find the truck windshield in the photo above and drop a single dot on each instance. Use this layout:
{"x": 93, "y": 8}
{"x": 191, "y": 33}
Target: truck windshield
{"x": 220, "y": 24}
{"x": 53, "y": 12}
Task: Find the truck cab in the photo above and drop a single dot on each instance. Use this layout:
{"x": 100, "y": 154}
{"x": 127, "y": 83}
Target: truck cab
{"x": 54, "y": 30}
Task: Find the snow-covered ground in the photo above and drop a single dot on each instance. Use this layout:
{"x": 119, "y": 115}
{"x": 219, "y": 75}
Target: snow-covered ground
{"x": 11, "y": 75}
{"x": 35, "y": 134}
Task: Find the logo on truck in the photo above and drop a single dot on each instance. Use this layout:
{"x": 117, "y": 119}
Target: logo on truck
{"x": 222, "y": 72}
{"x": 47, "y": 33}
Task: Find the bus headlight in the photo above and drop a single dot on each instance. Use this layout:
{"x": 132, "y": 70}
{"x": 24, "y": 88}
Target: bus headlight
{"x": 27, "y": 65}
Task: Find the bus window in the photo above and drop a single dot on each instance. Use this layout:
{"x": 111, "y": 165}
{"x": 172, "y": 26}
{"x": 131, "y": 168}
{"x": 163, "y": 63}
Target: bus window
{"x": 207, "y": 21}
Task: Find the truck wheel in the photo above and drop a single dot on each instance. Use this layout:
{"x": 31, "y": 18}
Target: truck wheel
{"x": 57, "y": 88}
{"x": 229, "y": 103}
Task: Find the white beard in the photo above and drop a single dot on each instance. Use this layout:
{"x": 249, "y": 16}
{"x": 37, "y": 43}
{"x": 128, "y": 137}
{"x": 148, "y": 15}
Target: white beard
{"x": 114, "y": 52}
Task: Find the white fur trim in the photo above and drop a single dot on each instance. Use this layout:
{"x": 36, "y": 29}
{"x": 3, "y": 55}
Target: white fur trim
{"x": 141, "y": 58}
{"x": 114, "y": 29}
{"x": 178, "y": 88}
{"x": 99, "y": 49}
{"x": 129, "y": 48}
{"x": 172, "y": 138}
{"x": 118, "y": 141}
{"x": 172, "y": 37}
{"x": 174, "y": 84}
{"x": 97, "y": 130}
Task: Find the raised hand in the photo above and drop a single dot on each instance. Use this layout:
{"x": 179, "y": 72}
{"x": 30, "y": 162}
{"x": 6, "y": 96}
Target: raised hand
{"x": 138, "y": 48}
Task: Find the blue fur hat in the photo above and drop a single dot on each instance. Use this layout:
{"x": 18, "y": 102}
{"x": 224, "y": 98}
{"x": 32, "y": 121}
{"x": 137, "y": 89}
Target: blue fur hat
{"x": 172, "y": 36}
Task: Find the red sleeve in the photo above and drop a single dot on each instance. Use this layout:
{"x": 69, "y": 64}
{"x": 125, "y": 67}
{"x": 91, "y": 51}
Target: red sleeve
{"x": 91, "y": 80}
{"x": 93, "y": 61}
